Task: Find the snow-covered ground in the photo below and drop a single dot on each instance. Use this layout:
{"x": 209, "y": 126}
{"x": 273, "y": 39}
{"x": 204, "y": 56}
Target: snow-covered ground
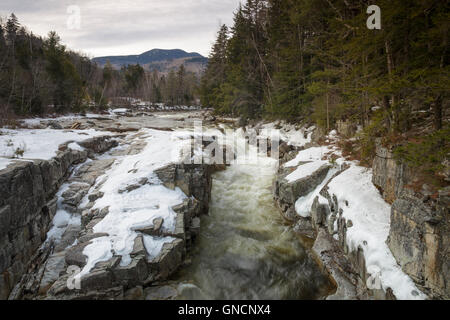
{"x": 370, "y": 214}
{"x": 363, "y": 205}
{"x": 297, "y": 137}
{"x": 31, "y": 122}
{"x": 38, "y": 143}
{"x": 305, "y": 170}
{"x": 138, "y": 208}
{"x": 359, "y": 199}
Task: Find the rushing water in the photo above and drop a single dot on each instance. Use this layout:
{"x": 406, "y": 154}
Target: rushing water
{"x": 245, "y": 250}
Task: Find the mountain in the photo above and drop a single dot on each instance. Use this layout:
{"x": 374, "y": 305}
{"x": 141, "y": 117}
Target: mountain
{"x": 159, "y": 59}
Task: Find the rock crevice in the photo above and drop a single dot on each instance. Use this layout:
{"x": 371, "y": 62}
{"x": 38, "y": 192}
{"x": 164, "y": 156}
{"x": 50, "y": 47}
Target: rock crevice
{"x": 28, "y": 205}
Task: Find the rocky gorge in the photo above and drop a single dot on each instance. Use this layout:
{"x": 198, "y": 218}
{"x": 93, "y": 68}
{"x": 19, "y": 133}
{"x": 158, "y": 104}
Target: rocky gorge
{"x": 416, "y": 235}
{"x": 115, "y": 217}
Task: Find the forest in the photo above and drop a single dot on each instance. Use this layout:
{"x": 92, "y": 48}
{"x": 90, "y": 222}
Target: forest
{"x": 41, "y": 75}
{"x": 317, "y": 61}
{"x": 313, "y": 61}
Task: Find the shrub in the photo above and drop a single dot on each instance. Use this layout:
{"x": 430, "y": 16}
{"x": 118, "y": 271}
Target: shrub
{"x": 377, "y": 128}
{"x": 427, "y": 154}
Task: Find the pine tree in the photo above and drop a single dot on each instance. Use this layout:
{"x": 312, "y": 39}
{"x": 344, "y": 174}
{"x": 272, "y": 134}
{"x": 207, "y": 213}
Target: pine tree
{"x": 215, "y": 74}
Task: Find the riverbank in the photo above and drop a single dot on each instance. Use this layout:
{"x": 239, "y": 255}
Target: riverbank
{"x": 359, "y": 237}
{"x": 135, "y": 220}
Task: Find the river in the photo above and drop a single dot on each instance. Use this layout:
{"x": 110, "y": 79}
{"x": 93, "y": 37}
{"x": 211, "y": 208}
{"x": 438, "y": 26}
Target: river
{"x": 245, "y": 249}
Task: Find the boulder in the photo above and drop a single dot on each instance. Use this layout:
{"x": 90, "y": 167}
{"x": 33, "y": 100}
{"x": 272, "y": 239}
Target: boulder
{"x": 89, "y": 237}
{"x": 160, "y": 293}
{"x": 54, "y": 267}
{"x": 169, "y": 259}
{"x": 97, "y": 279}
{"x": 136, "y": 293}
{"x": 153, "y": 230}
{"x": 74, "y": 256}
{"x": 133, "y": 274}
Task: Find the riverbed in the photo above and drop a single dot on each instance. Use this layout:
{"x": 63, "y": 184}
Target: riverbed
{"x": 245, "y": 249}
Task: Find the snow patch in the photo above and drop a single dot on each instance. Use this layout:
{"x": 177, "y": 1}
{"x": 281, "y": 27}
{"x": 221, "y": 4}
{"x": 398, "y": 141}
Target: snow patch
{"x": 305, "y": 170}
{"x": 130, "y": 211}
{"x": 310, "y": 154}
{"x": 40, "y": 143}
{"x": 304, "y": 204}
{"x": 370, "y": 214}
{"x": 75, "y": 146}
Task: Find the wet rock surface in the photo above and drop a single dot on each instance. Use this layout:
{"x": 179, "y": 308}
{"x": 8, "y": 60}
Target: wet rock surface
{"x": 286, "y": 193}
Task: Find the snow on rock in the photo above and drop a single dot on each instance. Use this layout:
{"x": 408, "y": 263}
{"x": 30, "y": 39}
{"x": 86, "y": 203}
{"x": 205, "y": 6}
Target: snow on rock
{"x": 289, "y": 133}
{"x": 75, "y": 146}
{"x": 120, "y": 110}
{"x": 4, "y": 162}
{"x": 304, "y": 204}
{"x": 63, "y": 219}
{"x": 310, "y": 154}
{"x": 154, "y": 245}
{"x": 370, "y": 215}
{"x": 39, "y": 144}
{"x": 305, "y": 170}
{"x": 363, "y": 205}
{"x": 297, "y": 138}
{"x": 136, "y": 209}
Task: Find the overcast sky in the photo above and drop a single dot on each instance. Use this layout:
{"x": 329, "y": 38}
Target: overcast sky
{"x": 122, "y": 27}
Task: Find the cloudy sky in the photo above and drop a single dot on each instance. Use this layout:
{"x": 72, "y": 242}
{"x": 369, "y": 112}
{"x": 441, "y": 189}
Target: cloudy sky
{"x": 122, "y": 27}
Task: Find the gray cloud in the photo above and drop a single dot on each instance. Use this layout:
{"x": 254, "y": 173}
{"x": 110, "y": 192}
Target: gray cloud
{"x": 127, "y": 26}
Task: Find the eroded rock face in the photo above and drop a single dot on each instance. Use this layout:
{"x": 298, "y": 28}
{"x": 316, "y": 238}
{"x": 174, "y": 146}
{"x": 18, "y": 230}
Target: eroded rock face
{"x": 144, "y": 270}
{"x": 27, "y": 208}
{"x": 349, "y": 285}
{"x": 420, "y": 225}
{"x": 194, "y": 180}
{"x": 286, "y": 193}
{"x": 389, "y": 176}
{"x": 419, "y": 241}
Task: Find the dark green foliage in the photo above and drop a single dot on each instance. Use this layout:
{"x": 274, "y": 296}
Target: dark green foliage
{"x": 376, "y": 129}
{"x": 40, "y": 75}
{"x": 134, "y": 75}
{"x": 316, "y": 59}
{"x": 429, "y": 153}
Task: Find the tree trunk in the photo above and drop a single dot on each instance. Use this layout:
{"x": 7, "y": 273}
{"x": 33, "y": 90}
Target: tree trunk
{"x": 390, "y": 65}
{"x": 437, "y": 108}
{"x": 328, "y": 108}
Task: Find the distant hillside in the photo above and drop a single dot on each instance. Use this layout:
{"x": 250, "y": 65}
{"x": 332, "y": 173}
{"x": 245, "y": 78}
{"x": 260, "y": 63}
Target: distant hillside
{"x": 159, "y": 59}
